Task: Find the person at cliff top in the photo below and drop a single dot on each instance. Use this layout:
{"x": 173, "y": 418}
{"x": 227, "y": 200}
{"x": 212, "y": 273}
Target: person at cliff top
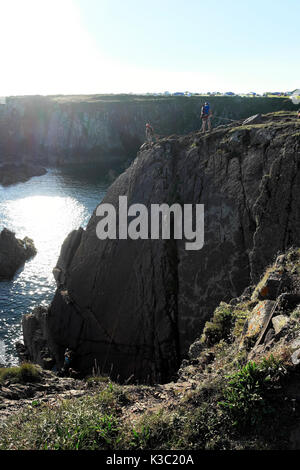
{"x": 206, "y": 117}
{"x": 149, "y": 133}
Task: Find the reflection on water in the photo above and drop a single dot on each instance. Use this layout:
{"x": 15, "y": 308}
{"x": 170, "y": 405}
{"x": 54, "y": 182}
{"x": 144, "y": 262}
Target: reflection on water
{"x": 46, "y": 209}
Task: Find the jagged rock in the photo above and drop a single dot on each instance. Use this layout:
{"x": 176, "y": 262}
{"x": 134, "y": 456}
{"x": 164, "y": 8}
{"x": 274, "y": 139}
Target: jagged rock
{"x": 258, "y": 318}
{"x": 256, "y": 119}
{"x": 35, "y": 335}
{"x": 195, "y": 349}
{"x": 270, "y": 289}
{"x": 269, "y": 336}
{"x": 67, "y": 253}
{"x": 295, "y": 357}
{"x": 13, "y": 253}
{"x": 288, "y": 301}
{"x": 137, "y": 305}
{"x": 21, "y": 351}
{"x": 279, "y": 322}
{"x": 280, "y": 260}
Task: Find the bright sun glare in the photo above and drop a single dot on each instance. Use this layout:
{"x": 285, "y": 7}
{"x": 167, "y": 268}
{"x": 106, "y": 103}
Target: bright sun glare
{"x": 38, "y": 216}
{"x": 47, "y": 50}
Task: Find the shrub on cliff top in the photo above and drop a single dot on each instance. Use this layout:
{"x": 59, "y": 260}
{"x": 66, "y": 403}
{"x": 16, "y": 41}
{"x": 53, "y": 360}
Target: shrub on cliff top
{"x": 21, "y": 374}
{"x": 220, "y": 326}
{"x": 247, "y": 399}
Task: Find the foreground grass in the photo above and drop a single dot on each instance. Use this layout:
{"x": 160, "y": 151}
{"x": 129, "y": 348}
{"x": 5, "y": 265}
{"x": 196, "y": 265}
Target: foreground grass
{"x": 20, "y": 374}
{"x": 226, "y": 412}
{"x": 90, "y": 422}
{"x": 233, "y": 404}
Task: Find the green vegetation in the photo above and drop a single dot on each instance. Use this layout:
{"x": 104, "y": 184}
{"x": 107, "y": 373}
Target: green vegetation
{"x": 218, "y": 414}
{"x": 220, "y": 326}
{"x": 246, "y": 399}
{"x": 227, "y": 323}
{"x": 84, "y": 423}
{"x": 97, "y": 379}
{"x": 225, "y": 399}
{"x": 22, "y": 374}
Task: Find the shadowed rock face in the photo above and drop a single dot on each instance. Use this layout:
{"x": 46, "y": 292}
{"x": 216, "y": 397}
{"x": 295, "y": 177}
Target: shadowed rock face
{"x": 12, "y": 173}
{"x": 13, "y": 253}
{"x": 107, "y": 129}
{"x": 136, "y": 306}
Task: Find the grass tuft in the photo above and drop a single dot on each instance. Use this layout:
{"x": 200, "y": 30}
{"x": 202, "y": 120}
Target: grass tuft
{"x": 20, "y": 374}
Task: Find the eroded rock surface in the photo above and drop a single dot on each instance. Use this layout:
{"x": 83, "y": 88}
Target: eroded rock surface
{"x": 134, "y": 307}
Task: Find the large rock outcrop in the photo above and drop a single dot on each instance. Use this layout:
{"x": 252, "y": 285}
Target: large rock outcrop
{"x": 13, "y": 253}
{"x": 108, "y": 129}
{"x": 134, "y": 307}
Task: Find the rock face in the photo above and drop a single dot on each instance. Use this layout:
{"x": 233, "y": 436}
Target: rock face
{"x": 12, "y": 173}
{"x": 108, "y": 129}
{"x": 35, "y": 334}
{"x": 135, "y": 306}
{"x": 13, "y": 253}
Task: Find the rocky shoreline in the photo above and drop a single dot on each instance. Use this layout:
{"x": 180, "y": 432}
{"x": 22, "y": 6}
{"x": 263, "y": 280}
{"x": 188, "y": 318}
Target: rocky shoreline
{"x": 13, "y": 253}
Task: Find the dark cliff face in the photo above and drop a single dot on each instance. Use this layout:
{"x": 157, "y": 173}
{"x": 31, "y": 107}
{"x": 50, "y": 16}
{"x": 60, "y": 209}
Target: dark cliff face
{"x": 13, "y": 253}
{"x": 107, "y": 129}
{"x": 135, "y": 306}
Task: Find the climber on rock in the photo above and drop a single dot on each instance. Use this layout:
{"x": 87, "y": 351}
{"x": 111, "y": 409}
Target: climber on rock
{"x": 206, "y": 115}
{"x": 68, "y": 361}
{"x": 149, "y": 134}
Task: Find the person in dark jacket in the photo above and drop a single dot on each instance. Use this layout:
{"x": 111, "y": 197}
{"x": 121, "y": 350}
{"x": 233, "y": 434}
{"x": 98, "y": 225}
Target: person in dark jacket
{"x": 206, "y": 115}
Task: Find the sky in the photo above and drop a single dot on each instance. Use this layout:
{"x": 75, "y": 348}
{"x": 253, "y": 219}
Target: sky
{"x": 139, "y": 46}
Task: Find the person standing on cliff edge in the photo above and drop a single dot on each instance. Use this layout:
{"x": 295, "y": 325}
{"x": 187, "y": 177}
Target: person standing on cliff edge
{"x": 206, "y": 115}
{"x": 149, "y": 134}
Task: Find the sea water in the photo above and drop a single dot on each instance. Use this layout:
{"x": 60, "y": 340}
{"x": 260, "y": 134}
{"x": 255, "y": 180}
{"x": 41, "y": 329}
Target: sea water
{"x": 46, "y": 209}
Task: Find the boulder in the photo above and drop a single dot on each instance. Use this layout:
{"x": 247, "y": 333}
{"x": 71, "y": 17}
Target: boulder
{"x": 259, "y": 317}
{"x": 295, "y": 344}
{"x": 295, "y": 357}
{"x": 279, "y": 322}
{"x": 195, "y": 349}
{"x": 13, "y": 253}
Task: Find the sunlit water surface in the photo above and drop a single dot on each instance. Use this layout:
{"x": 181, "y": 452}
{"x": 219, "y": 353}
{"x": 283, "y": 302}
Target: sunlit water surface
{"x": 46, "y": 209}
